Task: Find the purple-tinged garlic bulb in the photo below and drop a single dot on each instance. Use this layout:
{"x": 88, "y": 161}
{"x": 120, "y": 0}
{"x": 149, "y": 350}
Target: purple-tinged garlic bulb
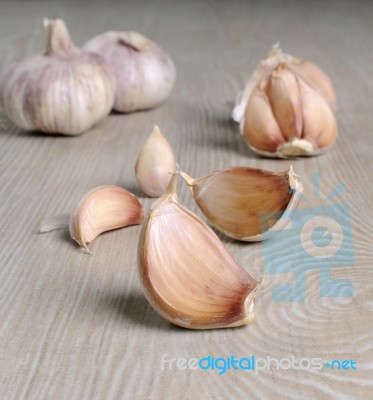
{"x": 145, "y": 74}
{"x": 64, "y": 90}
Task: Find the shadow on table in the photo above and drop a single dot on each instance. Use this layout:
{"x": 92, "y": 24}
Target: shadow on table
{"x": 135, "y": 309}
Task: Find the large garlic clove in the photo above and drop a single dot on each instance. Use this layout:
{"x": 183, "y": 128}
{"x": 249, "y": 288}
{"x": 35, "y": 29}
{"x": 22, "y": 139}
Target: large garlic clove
{"x": 102, "y": 209}
{"x": 187, "y": 274}
{"x": 286, "y": 102}
{"x": 145, "y": 74}
{"x": 261, "y": 130}
{"x": 320, "y": 125}
{"x": 66, "y": 90}
{"x": 279, "y": 75}
{"x": 246, "y": 203}
{"x": 155, "y": 164}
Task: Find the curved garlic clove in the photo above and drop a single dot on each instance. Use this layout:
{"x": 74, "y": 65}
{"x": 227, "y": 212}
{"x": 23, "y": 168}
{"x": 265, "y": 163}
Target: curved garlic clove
{"x": 320, "y": 125}
{"x": 246, "y": 203}
{"x": 66, "y": 90}
{"x": 155, "y": 164}
{"x": 187, "y": 275}
{"x": 286, "y": 102}
{"x": 261, "y": 130}
{"x": 279, "y": 76}
{"x": 145, "y": 74}
{"x": 102, "y": 209}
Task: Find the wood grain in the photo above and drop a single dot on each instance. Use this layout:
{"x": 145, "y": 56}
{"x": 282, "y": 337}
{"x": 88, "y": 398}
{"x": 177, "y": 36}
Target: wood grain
{"x": 78, "y": 327}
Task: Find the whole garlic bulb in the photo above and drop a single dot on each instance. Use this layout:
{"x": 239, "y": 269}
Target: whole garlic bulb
{"x": 144, "y": 72}
{"x": 65, "y": 90}
{"x": 287, "y": 108}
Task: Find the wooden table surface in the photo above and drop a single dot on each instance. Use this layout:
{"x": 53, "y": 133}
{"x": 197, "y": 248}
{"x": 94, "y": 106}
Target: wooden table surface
{"x": 75, "y": 326}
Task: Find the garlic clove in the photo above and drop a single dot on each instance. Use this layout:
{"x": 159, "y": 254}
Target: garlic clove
{"x": 103, "y": 209}
{"x": 187, "y": 274}
{"x": 261, "y": 130}
{"x": 155, "y": 164}
{"x": 246, "y": 203}
{"x": 286, "y": 102}
{"x": 261, "y": 74}
{"x": 320, "y": 125}
{"x": 315, "y": 77}
{"x": 65, "y": 90}
{"x": 145, "y": 74}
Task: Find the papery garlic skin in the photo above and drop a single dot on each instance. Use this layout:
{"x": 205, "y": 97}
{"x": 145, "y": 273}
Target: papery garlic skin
{"x": 66, "y": 90}
{"x": 245, "y": 203}
{"x": 102, "y": 209}
{"x": 155, "y": 164}
{"x": 277, "y": 109}
{"x": 145, "y": 74}
{"x": 187, "y": 275}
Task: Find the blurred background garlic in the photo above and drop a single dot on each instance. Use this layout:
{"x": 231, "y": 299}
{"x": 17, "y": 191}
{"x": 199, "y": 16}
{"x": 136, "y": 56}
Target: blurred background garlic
{"x": 144, "y": 72}
{"x": 65, "y": 90}
{"x": 286, "y": 108}
{"x": 155, "y": 164}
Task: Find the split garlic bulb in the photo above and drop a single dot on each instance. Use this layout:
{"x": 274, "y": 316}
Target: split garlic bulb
{"x": 187, "y": 274}
{"x": 287, "y": 108}
{"x": 247, "y": 204}
{"x": 155, "y": 164}
{"x": 144, "y": 72}
{"x": 65, "y": 90}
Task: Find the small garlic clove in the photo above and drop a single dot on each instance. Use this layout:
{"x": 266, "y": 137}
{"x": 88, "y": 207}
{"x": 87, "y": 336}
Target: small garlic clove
{"x": 315, "y": 77}
{"x": 286, "y": 102}
{"x": 260, "y": 128}
{"x": 246, "y": 203}
{"x": 103, "y": 209}
{"x": 145, "y": 74}
{"x": 155, "y": 164}
{"x": 320, "y": 125}
{"x": 187, "y": 274}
